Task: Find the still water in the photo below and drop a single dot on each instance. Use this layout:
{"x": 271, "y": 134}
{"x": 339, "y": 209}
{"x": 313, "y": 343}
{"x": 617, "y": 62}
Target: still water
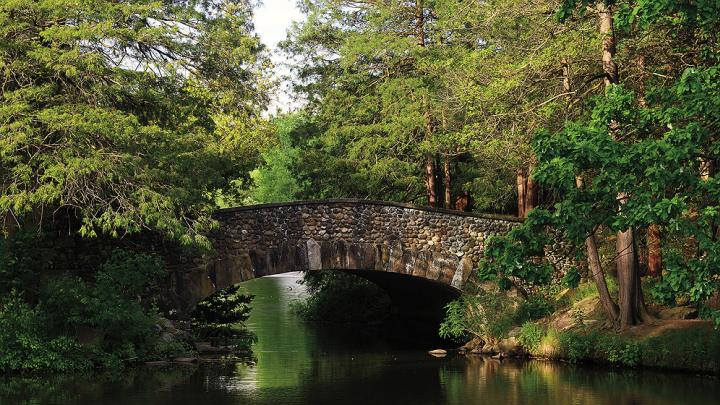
{"x": 304, "y": 364}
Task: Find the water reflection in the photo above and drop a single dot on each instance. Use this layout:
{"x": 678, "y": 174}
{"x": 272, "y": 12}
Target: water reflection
{"x": 303, "y": 364}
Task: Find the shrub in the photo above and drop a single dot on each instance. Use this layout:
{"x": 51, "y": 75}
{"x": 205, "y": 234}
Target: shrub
{"x": 531, "y": 335}
{"x": 617, "y": 350}
{"x": 685, "y": 349}
{"x": 44, "y": 336}
{"x": 576, "y": 346}
{"x": 532, "y": 309}
{"x": 111, "y": 305}
{"x": 221, "y": 317}
{"x": 486, "y": 315}
{"x": 26, "y": 345}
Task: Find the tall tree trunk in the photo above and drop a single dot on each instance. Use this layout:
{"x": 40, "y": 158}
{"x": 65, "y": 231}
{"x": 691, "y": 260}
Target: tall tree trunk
{"x": 447, "y": 182}
{"x": 654, "y": 262}
{"x": 530, "y": 191}
{"x": 430, "y": 181}
{"x": 654, "y": 253}
{"x": 419, "y": 23}
{"x": 594, "y": 267}
{"x": 521, "y": 191}
{"x": 608, "y": 44}
{"x": 597, "y": 273}
{"x": 628, "y": 277}
{"x": 430, "y": 173}
{"x": 527, "y": 192}
{"x": 630, "y": 300}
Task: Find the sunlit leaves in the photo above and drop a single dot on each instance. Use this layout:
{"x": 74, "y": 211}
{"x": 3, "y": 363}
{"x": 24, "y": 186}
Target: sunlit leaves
{"x": 129, "y": 115}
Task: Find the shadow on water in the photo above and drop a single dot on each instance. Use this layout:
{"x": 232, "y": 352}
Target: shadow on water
{"x": 304, "y": 364}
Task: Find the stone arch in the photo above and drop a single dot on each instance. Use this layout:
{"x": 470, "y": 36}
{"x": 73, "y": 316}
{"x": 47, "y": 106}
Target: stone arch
{"x": 438, "y": 245}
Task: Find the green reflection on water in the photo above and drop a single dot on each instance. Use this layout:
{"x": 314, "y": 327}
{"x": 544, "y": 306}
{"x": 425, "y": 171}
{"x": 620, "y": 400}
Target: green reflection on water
{"x": 306, "y": 364}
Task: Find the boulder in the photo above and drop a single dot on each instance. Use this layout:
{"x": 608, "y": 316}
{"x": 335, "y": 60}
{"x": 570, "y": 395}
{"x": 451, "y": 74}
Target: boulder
{"x": 438, "y": 352}
{"x": 510, "y": 346}
{"x": 490, "y": 349}
{"x": 684, "y": 312}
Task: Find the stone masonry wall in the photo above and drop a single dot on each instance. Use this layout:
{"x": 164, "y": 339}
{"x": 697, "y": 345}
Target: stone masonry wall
{"x": 254, "y": 241}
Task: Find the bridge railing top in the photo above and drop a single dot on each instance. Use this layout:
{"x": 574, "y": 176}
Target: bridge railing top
{"x": 346, "y": 201}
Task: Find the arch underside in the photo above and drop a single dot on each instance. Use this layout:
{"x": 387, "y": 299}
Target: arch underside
{"x": 365, "y": 259}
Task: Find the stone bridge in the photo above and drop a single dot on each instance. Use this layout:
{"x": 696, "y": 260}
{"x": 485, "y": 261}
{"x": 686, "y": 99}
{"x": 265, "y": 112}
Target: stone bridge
{"x": 398, "y": 246}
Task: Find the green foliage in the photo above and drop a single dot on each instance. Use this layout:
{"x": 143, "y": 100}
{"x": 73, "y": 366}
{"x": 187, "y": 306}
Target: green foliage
{"x": 576, "y": 346}
{"x": 109, "y": 304}
{"x": 531, "y": 335}
{"x": 572, "y": 277}
{"x": 75, "y": 324}
{"x": 487, "y": 315}
{"x": 337, "y": 297}
{"x": 619, "y": 351}
{"x": 391, "y": 93}
{"x": 688, "y": 349}
{"x": 27, "y": 344}
{"x": 278, "y": 179}
{"x": 660, "y": 176}
{"x": 21, "y": 257}
{"x": 533, "y": 308}
{"x": 221, "y": 317}
{"x": 129, "y": 115}
{"x": 693, "y": 348}
{"x": 510, "y": 259}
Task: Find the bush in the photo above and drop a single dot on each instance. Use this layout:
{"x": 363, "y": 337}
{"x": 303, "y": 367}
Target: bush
{"x": 487, "y": 315}
{"x": 532, "y": 309}
{"x": 576, "y": 346}
{"x": 26, "y": 345}
{"x": 221, "y": 317}
{"x": 43, "y": 334}
{"x": 531, "y": 335}
{"x": 617, "y": 350}
{"x": 689, "y": 349}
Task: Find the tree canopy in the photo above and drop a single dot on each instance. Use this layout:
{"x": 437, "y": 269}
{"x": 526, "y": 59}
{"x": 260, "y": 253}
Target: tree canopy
{"x": 127, "y": 115}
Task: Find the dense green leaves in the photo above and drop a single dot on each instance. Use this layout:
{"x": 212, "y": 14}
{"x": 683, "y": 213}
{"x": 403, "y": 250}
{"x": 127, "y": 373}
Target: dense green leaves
{"x": 127, "y": 114}
{"x": 74, "y": 324}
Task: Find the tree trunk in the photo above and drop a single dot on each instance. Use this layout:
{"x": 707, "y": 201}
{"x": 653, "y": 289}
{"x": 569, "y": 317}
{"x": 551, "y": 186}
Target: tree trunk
{"x": 419, "y": 23}
{"x": 527, "y": 192}
{"x": 447, "y": 181}
{"x": 530, "y": 191}
{"x": 597, "y": 273}
{"x": 627, "y": 278}
{"x": 654, "y": 262}
{"x": 521, "y": 185}
{"x": 654, "y": 253}
{"x": 430, "y": 181}
{"x": 608, "y": 44}
{"x": 630, "y": 300}
{"x": 430, "y": 186}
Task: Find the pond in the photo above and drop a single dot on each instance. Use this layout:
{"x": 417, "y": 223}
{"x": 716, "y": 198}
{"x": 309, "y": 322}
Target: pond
{"x": 299, "y": 363}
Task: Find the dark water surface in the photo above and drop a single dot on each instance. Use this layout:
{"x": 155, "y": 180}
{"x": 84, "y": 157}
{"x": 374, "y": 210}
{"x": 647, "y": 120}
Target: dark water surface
{"x": 304, "y": 364}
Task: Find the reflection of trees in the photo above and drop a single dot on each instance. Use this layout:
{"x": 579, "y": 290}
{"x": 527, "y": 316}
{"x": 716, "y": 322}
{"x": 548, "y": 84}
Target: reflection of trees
{"x": 298, "y": 363}
{"x": 93, "y": 388}
{"x": 553, "y": 383}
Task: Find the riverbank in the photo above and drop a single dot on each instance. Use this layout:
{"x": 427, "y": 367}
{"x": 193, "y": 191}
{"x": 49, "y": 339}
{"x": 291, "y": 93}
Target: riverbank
{"x": 580, "y": 334}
